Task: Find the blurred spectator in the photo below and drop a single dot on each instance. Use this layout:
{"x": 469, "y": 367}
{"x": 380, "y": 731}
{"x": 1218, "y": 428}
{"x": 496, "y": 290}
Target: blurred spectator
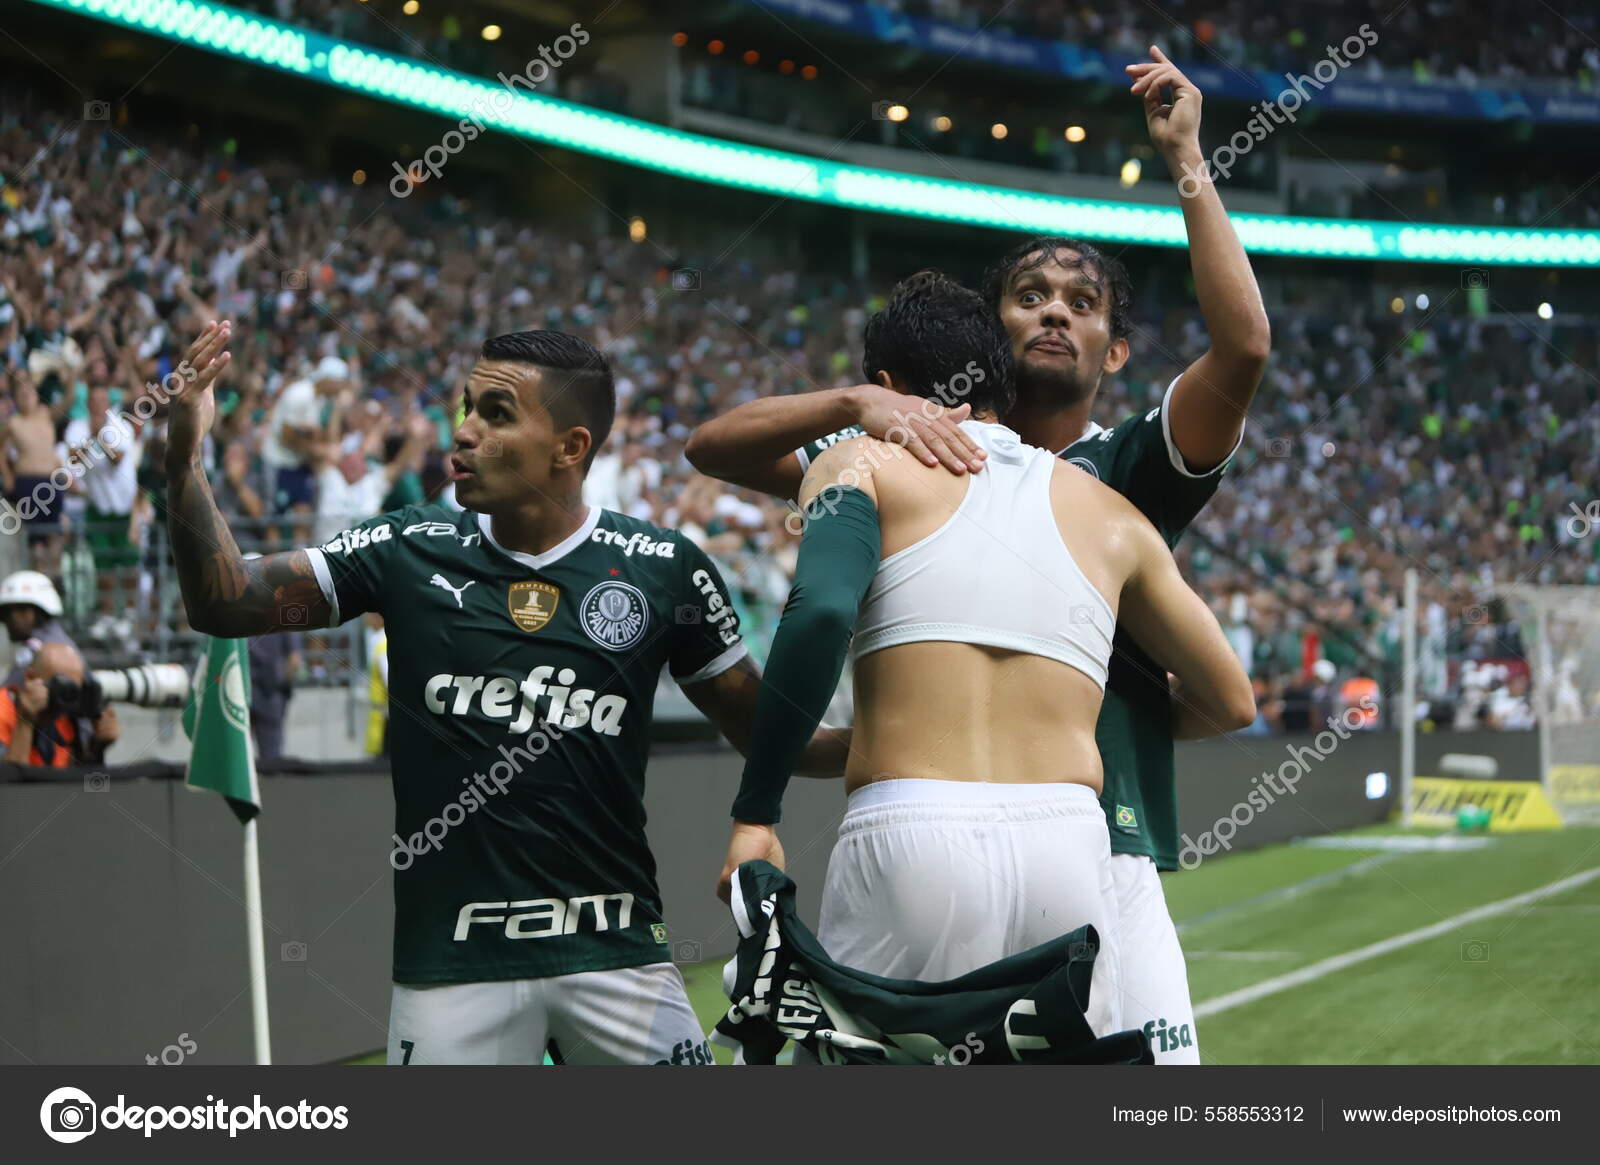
{"x": 28, "y": 456}
{"x": 236, "y": 498}
{"x": 377, "y": 686}
{"x": 275, "y": 660}
{"x": 295, "y": 433}
{"x": 107, "y": 446}
{"x": 350, "y": 487}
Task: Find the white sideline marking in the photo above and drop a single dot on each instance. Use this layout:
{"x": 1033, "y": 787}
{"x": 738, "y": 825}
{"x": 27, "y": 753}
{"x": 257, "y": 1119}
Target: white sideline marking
{"x": 1326, "y": 967}
{"x": 1293, "y": 890}
{"x": 1447, "y": 843}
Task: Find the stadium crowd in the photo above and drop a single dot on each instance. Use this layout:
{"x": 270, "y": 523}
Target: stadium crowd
{"x": 1380, "y": 441}
{"x": 1428, "y": 40}
{"x": 1431, "y": 39}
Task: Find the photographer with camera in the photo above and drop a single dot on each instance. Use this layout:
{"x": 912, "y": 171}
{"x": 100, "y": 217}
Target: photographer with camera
{"x": 30, "y": 608}
{"x": 57, "y": 716}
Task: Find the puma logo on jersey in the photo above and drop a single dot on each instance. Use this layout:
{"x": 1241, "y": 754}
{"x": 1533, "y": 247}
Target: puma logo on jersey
{"x": 637, "y": 541}
{"x": 438, "y": 580}
{"x": 502, "y": 698}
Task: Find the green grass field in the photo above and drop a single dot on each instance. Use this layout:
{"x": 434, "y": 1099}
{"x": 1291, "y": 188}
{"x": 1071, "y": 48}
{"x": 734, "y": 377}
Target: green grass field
{"x": 1517, "y": 988}
{"x": 1521, "y": 987}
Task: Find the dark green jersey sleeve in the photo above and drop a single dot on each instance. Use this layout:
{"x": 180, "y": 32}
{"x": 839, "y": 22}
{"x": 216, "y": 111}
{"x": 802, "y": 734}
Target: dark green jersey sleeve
{"x": 350, "y": 568}
{"x": 810, "y": 451}
{"x": 1139, "y": 460}
{"x": 705, "y": 628}
{"x": 839, "y": 554}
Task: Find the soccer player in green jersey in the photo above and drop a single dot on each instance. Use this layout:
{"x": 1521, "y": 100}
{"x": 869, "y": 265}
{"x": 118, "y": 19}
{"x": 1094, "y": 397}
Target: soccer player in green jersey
{"x": 1067, "y": 308}
{"x": 526, "y": 635}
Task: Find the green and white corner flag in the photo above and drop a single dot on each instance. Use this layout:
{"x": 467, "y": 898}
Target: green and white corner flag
{"x": 222, "y": 758}
{"x": 217, "y": 721}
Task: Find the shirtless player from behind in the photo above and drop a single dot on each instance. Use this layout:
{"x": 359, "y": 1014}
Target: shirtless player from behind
{"x": 983, "y": 609}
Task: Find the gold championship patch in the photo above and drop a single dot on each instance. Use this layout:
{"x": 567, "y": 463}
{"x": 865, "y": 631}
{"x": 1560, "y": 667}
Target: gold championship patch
{"x": 532, "y": 604}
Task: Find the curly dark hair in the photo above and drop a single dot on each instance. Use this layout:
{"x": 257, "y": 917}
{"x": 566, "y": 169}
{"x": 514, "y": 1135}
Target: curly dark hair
{"x": 940, "y": 338}
{"x": 1107, "y": 272}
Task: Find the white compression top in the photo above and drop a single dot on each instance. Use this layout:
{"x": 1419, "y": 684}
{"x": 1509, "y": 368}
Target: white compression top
{"x": 996, "y": 574}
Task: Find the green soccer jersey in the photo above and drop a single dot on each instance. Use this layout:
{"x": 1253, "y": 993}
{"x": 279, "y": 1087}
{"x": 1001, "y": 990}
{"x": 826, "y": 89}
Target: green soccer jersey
{"x": 1134, "y": 732}
{"x": 520, "y": 697}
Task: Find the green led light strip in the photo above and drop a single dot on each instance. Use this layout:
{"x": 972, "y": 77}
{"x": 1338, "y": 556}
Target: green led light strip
{"x": 354, "y": 67}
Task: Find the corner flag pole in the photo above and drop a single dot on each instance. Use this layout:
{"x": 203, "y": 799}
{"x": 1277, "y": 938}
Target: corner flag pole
{"x": 222, "y": 759}
{"x": 1408, "y": 697}
{"x": 258, "y": 951}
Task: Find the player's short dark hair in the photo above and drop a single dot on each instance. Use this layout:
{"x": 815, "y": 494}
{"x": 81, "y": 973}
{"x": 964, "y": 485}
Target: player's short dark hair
{"x": 1034, "y": 253}
{"x": 577, "y": 389}
{"x": 938, "y": 337}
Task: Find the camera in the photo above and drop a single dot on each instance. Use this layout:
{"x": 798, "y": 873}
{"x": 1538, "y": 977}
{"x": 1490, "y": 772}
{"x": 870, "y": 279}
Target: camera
{"x": 149, "y": 685}
{"x": 77, "y": 701}
{"x": 72, "y": 1116}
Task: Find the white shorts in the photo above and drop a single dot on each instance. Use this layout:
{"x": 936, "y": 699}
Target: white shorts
{"x": 932, "y": 879}
{"x": 1155, "y": 982}
{"x": 633, "y": 1015}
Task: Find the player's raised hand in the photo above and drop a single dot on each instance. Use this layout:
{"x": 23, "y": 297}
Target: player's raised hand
{"x": 1175, "y": 125}
{"x": 928, "y": 430}
{"x": 749, "y": 843}
{"x": 194, "y": 404}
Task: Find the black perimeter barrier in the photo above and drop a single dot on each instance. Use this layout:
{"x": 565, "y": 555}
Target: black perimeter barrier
{"x": 122, "y": 915}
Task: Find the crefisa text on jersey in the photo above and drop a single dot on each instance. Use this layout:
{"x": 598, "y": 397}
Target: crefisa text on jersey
{"x": 637, "y": 542}
{"x": 718, "y": 610}
{"x": 495, "y": 697}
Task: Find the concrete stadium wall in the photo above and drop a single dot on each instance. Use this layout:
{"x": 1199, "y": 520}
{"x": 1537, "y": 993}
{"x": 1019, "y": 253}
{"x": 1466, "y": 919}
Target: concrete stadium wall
{"x": 122, "y": 908}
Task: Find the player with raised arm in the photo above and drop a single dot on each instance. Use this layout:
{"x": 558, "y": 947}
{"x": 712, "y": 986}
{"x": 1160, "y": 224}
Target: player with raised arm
{"x": 1067, "y": 309}
{"x": 526, "y": 635}
{"x": 982, "y": 609}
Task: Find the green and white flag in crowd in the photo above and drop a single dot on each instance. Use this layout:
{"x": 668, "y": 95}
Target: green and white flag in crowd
{"x": 217, "y": 722}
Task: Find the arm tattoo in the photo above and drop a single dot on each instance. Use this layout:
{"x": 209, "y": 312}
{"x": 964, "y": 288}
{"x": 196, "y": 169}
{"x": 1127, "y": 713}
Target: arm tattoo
{"x": 223, "y": 594}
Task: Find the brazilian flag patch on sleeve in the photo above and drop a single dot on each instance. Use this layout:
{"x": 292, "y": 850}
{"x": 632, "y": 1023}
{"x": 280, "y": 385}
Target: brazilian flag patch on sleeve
{"x": 1126, "y": 818}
